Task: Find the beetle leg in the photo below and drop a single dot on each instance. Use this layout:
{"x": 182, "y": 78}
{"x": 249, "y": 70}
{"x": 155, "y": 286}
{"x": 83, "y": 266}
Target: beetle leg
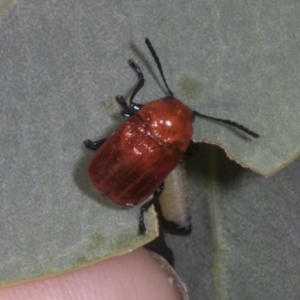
{"x": 94, "y": 145}
{"x": 145, "y": 207}
{"x": 135, "y": 66}
{"x": 121, "y": 100}
{"x": 127, "y": 111}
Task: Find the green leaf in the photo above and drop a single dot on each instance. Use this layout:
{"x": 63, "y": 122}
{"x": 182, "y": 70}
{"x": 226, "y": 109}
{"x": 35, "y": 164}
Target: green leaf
{"x": 62, "y": 64}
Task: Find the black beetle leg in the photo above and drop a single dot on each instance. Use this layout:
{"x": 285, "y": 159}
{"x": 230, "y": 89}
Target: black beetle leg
{"x": 135, "y": 66}
{"x": 127, "y": 111}
{"x": 142, "y": 228}
{"x": 94, "y": 145}
{"x": 121, "y": 100}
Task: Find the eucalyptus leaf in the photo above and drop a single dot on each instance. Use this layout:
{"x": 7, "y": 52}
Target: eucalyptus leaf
{"x": 61, "y": 66}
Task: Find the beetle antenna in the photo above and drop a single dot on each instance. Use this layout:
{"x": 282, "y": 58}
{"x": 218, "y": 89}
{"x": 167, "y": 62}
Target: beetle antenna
{"x": 157, "y": 61}
{"x": 229, "y": 122}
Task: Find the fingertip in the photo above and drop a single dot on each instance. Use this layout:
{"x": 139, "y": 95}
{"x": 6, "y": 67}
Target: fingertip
{"x": 134, "y": 275}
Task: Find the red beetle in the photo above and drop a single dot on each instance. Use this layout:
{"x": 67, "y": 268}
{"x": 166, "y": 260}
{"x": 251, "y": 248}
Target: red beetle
{"x": 133, "y": 163}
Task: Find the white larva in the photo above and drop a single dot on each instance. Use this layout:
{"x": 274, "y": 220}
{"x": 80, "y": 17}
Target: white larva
{"x": 174, "y": 201}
